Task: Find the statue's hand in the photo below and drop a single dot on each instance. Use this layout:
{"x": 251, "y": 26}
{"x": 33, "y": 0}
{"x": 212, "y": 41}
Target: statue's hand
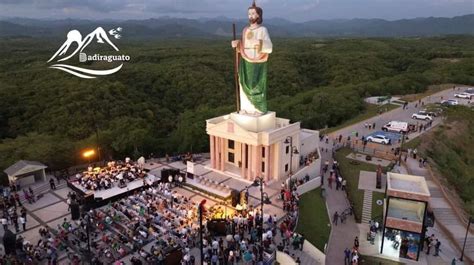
{"x": 235, "y": 43}
{"x": 258, "y": 47}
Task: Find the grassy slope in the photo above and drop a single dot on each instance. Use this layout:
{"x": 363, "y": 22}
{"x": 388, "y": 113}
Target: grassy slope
{"x": 313, "y": 221}
{"x": 451, "y": 147}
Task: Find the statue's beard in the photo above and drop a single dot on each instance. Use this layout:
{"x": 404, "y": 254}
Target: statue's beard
{"x": 253, "y": 20}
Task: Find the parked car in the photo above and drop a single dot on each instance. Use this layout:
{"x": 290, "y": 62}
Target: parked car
{"x": 433, "y": 112}
{"x": 449, "y": 102}
{"x": 463, "y": 95}
{"x": 378, "y": 138}
{"x": 396, "y": 126}
{"x": 421, "y": 116}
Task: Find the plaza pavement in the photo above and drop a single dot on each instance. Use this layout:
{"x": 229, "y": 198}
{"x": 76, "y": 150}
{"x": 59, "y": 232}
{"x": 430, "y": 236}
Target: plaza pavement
{"x": 48, "y": 211}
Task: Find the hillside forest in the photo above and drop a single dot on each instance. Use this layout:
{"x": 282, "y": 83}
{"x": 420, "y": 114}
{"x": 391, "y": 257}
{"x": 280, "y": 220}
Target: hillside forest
{"x": 159, "y": 101}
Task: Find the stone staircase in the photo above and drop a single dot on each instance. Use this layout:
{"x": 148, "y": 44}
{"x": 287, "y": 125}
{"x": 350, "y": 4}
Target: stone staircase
{"x": 435, "y": 192}
{"x": 41, "y": 189}
{"x": 367, "y": 207}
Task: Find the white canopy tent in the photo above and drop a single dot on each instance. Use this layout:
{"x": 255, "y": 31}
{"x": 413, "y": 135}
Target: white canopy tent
{"x": 26, "y": 172}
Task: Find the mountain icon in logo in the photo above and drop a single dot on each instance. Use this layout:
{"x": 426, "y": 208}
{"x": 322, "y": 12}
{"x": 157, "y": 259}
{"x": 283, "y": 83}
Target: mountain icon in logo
{"x": 75, "y": 37}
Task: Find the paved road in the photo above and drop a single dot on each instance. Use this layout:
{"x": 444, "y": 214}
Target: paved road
{"x": 398, "y": 114}
{"x": 342, "y": 235}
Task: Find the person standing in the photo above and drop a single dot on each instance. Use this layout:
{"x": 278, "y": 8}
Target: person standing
{"x": 356, "y": 242}
{"x": 429, "y": 244}
{"x": 17, "y": 199}
{"x": 15, "y": 221}
{"x": 4, "y": 222}
{"x": 344, "y": 183}
{"x": 437, "y": 245}
{"x": 343, "y": 218}
{"x": 52, "y": 184}
{"x": 335, "y": 218}
{"x": 23, "y": 222}
{"x": 347, "y": 256}
{"x": 68, "y": 202}
{"x": 23, "y": 213}
{"x": 32, "y": 194}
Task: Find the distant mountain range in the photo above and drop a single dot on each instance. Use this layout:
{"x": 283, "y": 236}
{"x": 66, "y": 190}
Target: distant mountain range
{"x": 167, "y": 27}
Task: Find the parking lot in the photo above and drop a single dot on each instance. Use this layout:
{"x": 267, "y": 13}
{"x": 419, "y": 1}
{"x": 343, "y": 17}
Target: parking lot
{"x": 401, "y": 114}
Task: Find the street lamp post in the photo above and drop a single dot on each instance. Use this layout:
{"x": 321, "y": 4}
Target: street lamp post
{"x": 471, "y": 220}
{"x": 293, "y": 150}
{"x": 401, "y": 146}
{"x": 201, "y": 211}
{"x": 263, "y": 199}
{"x": 88, "y": 223}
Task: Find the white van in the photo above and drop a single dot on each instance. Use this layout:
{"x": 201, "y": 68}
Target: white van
{"x": 396, "y": 126}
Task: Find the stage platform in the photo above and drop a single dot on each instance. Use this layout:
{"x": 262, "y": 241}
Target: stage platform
{"x": 114, "y": 191}
{"x": 102, "y": 197}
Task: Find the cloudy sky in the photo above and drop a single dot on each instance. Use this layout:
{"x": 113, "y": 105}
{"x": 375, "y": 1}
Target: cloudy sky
{"x": 295, "y": 10}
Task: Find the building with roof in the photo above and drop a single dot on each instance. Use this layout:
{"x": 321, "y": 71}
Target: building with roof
{"x": 265, "y": 146}
{"x": 26, "y": 172}
{"x": 405, "y": 210}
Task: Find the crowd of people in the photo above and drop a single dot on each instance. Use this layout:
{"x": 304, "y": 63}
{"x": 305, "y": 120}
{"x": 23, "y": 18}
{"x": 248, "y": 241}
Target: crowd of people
{"x": 12, "y": 209}
{"x": 156, "y": 221}
{"x": 351, "y": 256}
{"x": 149, "y": 226}
{"x": 248, "y": 230}
{"x": 334, "y": 176}
{"x": 308, "y": 159}
{"x": 114, "y": 173}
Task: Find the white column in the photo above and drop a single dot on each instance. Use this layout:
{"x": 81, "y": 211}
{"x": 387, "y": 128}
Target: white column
{"x": 222, "y": 153}
{"x": 213, "y": 152}
{"x": 250, "y": 160}
{"x": 267, "y": 162}
{"x": 258, "y": 154}
{"x": 218, "y": 153}
{"x": 242, "y": 152}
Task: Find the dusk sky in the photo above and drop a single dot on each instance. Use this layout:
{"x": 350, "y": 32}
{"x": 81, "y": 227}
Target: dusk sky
{"x": 294, "y": 10}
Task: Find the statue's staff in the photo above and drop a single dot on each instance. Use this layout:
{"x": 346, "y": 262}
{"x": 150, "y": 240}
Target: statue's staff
{"x": 236, "y": 70}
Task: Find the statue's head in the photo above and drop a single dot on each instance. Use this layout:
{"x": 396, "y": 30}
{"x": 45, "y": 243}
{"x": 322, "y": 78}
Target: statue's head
{"x": 255, "y": 14}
